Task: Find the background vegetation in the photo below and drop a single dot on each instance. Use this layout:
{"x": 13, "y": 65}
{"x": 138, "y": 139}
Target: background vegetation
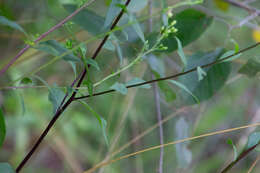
{"x": 215, "y": 98}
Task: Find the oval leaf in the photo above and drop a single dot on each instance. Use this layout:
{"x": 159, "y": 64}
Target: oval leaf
{"x": 191, "y": 24}
{"x": 56, "y": 49}
{"x": 211, "y": 83}
{"x": 253, "y": 139}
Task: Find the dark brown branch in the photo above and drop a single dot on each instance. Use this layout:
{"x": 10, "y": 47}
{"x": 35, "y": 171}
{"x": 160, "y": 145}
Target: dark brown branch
{"x": 70, "y": 100}
{"x": 175, "y": 75}
{"x": 240, "y": 157}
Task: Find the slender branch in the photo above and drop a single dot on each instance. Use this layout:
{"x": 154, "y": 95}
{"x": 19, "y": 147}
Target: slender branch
{"x": 70, "y": 100}
{"x": 243, "y": 6}
{"x": 254, "y": 164}
{"x": 156, "y": 94}
{"x": 6, "y": 67}
{"x": 240, "y": 157}
{"x": 254, "y": 12}
{"x": 101, "y": 164}
{"x": 175, "y": 75}
{"x": 159, "y": 119}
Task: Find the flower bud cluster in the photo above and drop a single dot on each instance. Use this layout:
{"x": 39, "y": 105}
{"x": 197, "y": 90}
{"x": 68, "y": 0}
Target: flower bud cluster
{"x": 166, "y": 31}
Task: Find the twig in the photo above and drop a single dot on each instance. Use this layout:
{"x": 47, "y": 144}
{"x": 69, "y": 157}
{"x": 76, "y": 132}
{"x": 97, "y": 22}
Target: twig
{"x": 5, "y": 68}
{"x": 240, "y": 157}
{"x": 253, "y": 11}
{"x": 175, "y": 75}
{"x": 171, "y": 143}
{"x": 253, "y": 165}
{"x": 156, "y": 94}
{"x": 243, "y": 6}
{"x": 159, "y": 119}
{"x": 70, "y": 100}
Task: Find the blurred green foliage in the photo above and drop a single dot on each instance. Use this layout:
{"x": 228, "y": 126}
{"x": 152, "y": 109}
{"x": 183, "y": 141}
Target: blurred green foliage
{"x": 228, "y": 98}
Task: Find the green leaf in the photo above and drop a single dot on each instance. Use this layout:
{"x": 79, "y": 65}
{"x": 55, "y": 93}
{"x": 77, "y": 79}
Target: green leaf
{"x": 26, "y": 81}
{"x": 87, "y": 61}
{"x": 6, "y": 168}
{"x": 251, "y": 68}
{"x": 122, "y": 7}
{"x": 87, "y": 20}
{"x": 184, "y": 155}
{"x": 70, "y": 90}
{"x": 137, "y": 81}
{"x": 91, "y": 62}
{"x": 89, "y": 84}
{"x": 210, "y": 84}
{"x": 74, "y": 68}
{"x": 156, "y": 64}
{"x": 222, "y": 5}
{"x": 119, "y": 52}
{"x": 181, "y": 53}
{"x": 101, "y": 120}
{"x": 201, "y": 73}
{"x": 113, "y": 11}
{"x": 230, "y": 142}
{"x": 136, "y": 26}
{"x": 168, "y": 92}
{"x": 191, "y": 24}
{"x": 119, "y": 87}
{"x": 180, "y": 85}
{"x": 137, "y": 5}
{"x": 235, "y": 44}
{"x": 2, "y": 128}
{"x": 56, "y": 49}
{"x": 253, "y": 139}
{"x": 55, "y": 96}
{"x": 229, "y": 53}
{"x": 6, "y": 22}
{"x": 109, "y": 45}
{"x": 158, "y": 70}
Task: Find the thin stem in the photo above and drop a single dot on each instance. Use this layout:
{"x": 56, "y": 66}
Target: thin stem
{"x": 5, "y": 68}
{"x": 159, "y": 119}
{"x": 70, "y": 100}
{"x": 156, "y": 94}
{"x": 254, "y": 164}
{"x": 175, "y": 75}
{"x": 240, "y": 157}
{"x": 120, "y": 70}
{"x": 99, "y": 165}
{"x": 243, "y": 6}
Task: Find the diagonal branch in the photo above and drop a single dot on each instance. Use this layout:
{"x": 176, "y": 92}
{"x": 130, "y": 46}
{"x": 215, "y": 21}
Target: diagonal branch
{"x": 175, "y": 75}
{"x": 240, "y": 157}
{"x": 243, "y": 6}
{"x": 254, "y": 12}
{"x": 70, "y": 100}
{"x": 60, "y": 24}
